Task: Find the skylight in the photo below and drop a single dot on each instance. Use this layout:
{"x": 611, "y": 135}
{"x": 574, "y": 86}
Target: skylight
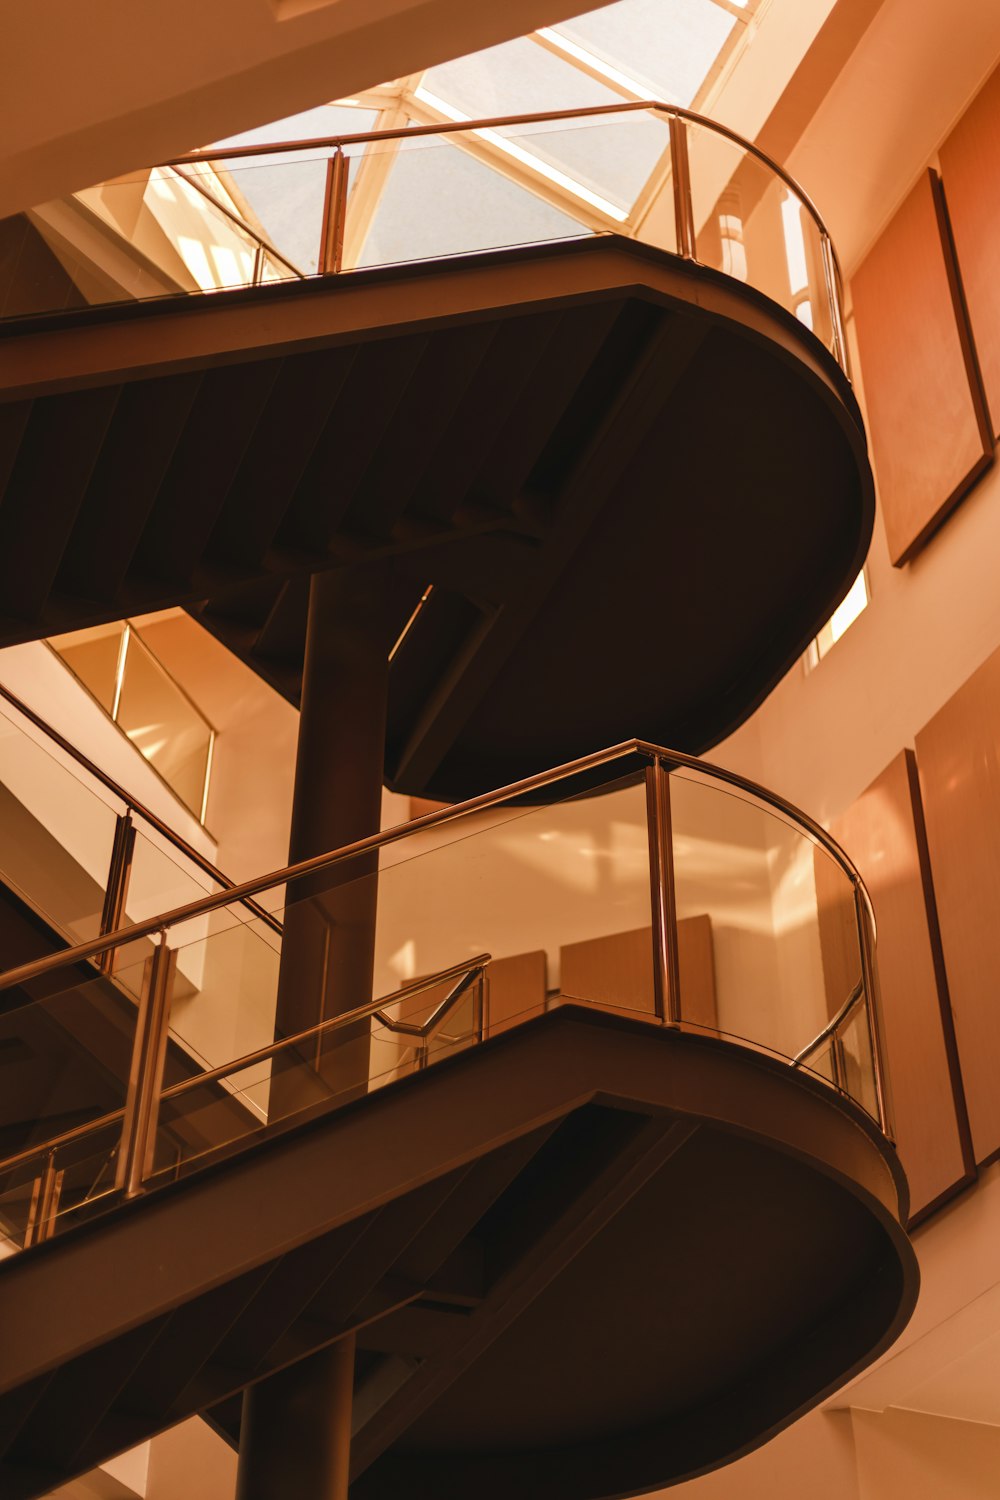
{"x": 602, "y": 173}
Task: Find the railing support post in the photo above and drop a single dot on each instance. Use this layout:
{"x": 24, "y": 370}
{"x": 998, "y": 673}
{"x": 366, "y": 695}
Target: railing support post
{"x": 833, "y": 298}
{"x": 681, "y": 175}
{"x": 331, "y": 248}
{"x": 116, "y": 890}
{"x": 44, "y": 1204}
{"x": 666, "y": 972}
{"x": 869, "y": 975}
{"x": 146, "y": 1073}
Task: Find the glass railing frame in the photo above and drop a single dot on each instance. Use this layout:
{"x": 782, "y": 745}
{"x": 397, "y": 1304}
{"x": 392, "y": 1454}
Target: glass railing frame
{"x": 337, "y": 185}
{"x": 337, "y": 182}
{"x": 139, "y": 1116}
{"x": 117, "y": 880}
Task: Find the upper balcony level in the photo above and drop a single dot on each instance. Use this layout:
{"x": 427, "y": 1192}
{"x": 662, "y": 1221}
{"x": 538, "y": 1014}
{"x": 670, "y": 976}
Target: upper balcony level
{"x": 524, "y": 366}
{"x": 241, "y": 217}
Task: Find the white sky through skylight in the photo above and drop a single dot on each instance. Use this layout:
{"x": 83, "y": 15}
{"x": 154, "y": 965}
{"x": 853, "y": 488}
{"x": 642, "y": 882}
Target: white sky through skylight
{"x": 581, "y": 178}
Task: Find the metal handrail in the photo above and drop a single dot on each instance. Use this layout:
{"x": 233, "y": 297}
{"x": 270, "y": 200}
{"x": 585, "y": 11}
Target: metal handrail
{"x": 495, "y": 122}
{"x": 832, "y": 1026}
{"x": 239, "y": 221}
{"x": 163, "y": 829}
{"x": 239, "y": 893}
{"x": 466, "y": 972}
{"x": 440, "y": 1012}
{"x": 678, "y": 119}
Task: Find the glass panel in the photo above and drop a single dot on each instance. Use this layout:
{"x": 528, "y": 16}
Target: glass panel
{"x": 226, "y": 988}
{"x": 281, "y": 197}
{"x": 15, "y": 1211}
{"x": 56, "y": 835}
{"x": 857, "y": 1065}
{"x": 609, "y": 156}
{"x": 758, "y": 958}
{"x": 666, "y": 47}
{"x": 77, "y": 1044}
{"x": 751, "y": 225}
{"x": 92, "y": 656}
{"x": 181, "y": 226}
{"x": 558, "y": 896}
{"x": 165, "y": 725}
{"x": 438, "y": 199}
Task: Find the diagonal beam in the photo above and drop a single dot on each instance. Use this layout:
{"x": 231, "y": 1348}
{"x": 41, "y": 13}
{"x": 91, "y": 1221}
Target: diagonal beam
{"x": 569, "y": 1232}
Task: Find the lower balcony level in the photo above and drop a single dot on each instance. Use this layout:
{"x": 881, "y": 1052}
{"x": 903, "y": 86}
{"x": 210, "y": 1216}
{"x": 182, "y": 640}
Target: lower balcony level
{"x": 573, "y": 1110}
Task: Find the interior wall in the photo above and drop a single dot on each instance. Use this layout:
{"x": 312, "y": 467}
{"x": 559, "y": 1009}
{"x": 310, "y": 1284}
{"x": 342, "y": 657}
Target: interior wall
{"x": 822, "y": 736}
{"x": 925, "y": 1457}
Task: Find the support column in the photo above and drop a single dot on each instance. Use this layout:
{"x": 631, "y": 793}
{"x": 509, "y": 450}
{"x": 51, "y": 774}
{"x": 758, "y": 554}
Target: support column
{"x": 328, "y": 946}
{"x": 295, "y": 1437}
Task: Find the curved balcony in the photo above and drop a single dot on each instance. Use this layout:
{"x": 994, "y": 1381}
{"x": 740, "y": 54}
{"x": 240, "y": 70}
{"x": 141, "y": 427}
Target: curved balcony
{"x": 682, "y": 897}
{"x": 649, "y": 171}
{"x": 563, "y": 1045}
{"x": 529, "y": 365}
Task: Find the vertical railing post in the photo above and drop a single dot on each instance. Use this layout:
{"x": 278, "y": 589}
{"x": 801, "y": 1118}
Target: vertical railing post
{"x": 681, "y": 174}
{"x": 258, "y": 264}
{"x": 666, "y": 971}
{"x": 869, "y": 975}
{"x": 116, "y": 891}
{"x": 331, "y": 248}
{"x": 146, "y": 1072}
{"x": 44, "y": 1204}
{"x": 483, "y": 988}
{"x": 833, "y": 297}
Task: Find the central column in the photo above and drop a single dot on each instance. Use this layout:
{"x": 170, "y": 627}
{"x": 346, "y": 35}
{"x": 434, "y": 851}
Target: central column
{"x": 329, "y": 927}
{"x": 295, "y": 1436}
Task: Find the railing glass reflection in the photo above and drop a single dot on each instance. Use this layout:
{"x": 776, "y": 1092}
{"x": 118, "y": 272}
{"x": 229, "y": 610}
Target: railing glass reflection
{"x": 248, "y": 217}
{"x": 652, "y": 885}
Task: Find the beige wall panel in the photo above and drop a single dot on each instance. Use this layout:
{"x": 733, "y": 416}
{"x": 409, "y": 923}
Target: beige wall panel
{"x": 958, "y": 755}
{"x": 517, "y": 985}
{"x": 613, "y": 970}
{"x": 883, "y": 834}
{"x": 618, "y": 970}
{"x": 929, "y": 430}
{"x": 970, "y": 171}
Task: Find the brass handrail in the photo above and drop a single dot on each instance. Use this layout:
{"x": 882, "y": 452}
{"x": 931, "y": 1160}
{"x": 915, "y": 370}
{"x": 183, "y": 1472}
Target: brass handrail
{"x": 163, "y": 829}
{"x": 465, "y": 971}
{"x": 440, "y": 1012}
{"x": 832, "y": 1026}
{"x": 211, "y": 154}
{"x": 673, "y": 759}
{"x": 240, "y": 222}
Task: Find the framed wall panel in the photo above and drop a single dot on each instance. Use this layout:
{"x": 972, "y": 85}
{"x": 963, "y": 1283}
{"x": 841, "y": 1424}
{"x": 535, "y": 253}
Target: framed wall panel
{"x": 883, "y": 832}
{"x": 970, "y": 172}
{"x": 927, "y": 419}
{"x": 618, "y": 970}
{"x": 517, "y": 987}
{"x": 958, "y": 756}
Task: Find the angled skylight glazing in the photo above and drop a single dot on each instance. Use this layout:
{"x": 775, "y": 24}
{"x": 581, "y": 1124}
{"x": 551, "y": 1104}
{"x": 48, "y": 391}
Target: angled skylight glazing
{"x": 522, "y": 182}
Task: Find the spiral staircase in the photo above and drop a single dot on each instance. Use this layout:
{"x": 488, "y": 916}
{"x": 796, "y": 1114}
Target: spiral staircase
{"x": 584, "y": 1239}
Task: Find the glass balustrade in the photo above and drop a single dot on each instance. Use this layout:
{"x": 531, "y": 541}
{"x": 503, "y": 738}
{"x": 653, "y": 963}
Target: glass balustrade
{"x": 67, "y": 874}
{"x": 668, "y": 893}
{"x": 240, "y": 217}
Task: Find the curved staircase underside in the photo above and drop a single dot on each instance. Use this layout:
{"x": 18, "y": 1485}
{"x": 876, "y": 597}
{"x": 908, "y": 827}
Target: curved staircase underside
{"x": 679, "y": 1245}
{"x": 634, "y": 487}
